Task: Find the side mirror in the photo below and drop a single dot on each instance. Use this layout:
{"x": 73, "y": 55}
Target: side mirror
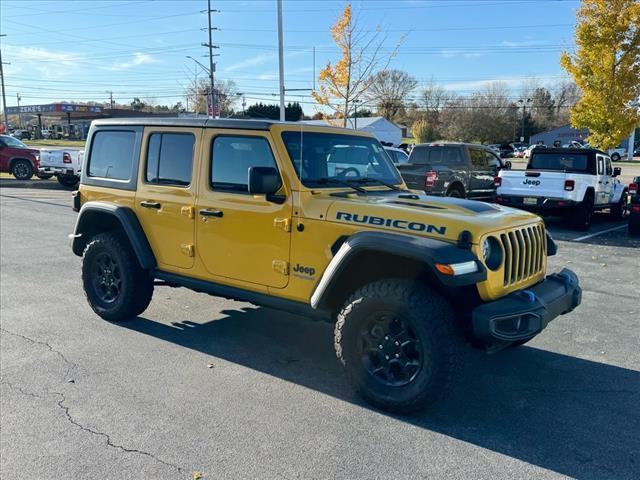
{"x": 507, "y": 165}
{"x": 617, "y": 171}
{"x": 264, "y": 180}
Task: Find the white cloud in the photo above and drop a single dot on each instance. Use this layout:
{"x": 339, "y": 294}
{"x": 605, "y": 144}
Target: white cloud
{"x": 251, "y": 62}
{"x": 452, "y": 53}
{"x": 137, "y": 59}
{"x": 525, "y": 43}
{"x": 47, "y": 64}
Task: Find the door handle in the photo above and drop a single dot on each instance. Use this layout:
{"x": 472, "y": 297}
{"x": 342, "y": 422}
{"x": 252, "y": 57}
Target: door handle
{"x": 206, "y": 212}
{"x": 150, "y": 204}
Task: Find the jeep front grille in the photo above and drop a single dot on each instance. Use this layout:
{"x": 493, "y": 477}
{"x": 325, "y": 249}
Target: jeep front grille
{"x": 525, "y": 252}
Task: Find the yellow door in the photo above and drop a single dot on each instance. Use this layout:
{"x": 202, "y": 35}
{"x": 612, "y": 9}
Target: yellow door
{"x": 165, "y": 199}
{"x": 241, "y": 236}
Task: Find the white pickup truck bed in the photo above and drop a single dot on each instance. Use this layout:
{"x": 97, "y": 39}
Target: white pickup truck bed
{"x": 61, "y": 163}
{"x": 572, "y": 181}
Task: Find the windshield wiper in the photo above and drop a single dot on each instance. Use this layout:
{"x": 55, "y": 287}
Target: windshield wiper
{"x": 366, "y": 180}
{"x": 327, "y": 180}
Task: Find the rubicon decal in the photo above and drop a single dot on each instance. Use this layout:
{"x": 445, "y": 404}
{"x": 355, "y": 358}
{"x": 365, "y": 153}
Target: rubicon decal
{"x": 390, "y": 222}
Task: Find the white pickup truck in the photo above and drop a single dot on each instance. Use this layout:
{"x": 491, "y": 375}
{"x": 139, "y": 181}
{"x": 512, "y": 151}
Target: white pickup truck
{"x": 572, "y": 181}
{"x": 65, "y": 165}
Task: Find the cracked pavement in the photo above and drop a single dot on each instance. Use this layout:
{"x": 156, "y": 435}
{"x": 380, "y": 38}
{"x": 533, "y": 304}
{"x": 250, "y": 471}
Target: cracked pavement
{"x": 202, "y": 384}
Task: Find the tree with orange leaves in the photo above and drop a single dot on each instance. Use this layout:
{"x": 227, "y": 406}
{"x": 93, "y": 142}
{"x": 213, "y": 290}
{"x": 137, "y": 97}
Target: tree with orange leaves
{"x": 345, "y": 83}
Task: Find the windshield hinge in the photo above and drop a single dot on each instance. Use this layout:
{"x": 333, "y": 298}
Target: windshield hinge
{"x": 189, "y": 211}
{"x": 283, "y": 223}
{"x": 188, "y": 249}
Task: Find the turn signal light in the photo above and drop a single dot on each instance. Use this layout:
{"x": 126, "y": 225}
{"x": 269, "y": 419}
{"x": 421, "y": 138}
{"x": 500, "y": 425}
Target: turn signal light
{"x": 430, "y": 179}
{"x": 569, "y": 185}
{"x": 497, "y": 181}
{"x": 633, "y": 188}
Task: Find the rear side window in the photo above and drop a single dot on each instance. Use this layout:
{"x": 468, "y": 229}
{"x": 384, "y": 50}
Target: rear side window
{"x": 170, "y": 158}
{"x": 570, "y": 162}
{"x": 231, "y": 157}
{"x": 112, "y": 154}
{"x": 446, "y": 156}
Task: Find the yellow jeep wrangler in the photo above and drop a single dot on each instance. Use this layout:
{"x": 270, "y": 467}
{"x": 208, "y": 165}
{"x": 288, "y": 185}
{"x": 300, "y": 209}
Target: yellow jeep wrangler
{"x": 316, "y": 221}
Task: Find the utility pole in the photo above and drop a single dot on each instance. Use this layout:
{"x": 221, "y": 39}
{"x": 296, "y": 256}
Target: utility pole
{"x": 355, "y": 114}
{"x": 281, "y": 61}
{"x": 213, "y": 100}
{"x": 4, "y": 99}
{"x": 111, "y": 99}
{"x": 19, "y": 114}
{"x": 524, "y": 114}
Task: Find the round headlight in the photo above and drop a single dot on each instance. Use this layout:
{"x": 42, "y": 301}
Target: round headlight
{"x": 492, "y": 253}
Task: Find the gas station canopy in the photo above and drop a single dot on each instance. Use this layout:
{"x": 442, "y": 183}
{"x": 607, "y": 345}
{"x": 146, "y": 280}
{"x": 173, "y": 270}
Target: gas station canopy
{"x": 54, "y": 108}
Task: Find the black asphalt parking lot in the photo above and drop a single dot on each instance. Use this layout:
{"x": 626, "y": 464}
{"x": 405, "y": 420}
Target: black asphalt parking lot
{"x": 203, "y": 384}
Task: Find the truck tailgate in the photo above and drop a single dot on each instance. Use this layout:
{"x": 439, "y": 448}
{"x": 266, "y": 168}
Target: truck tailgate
{"x": 51, "y": 158}
{"x": 532, "y": 183}
{"x": 413, "y": 175}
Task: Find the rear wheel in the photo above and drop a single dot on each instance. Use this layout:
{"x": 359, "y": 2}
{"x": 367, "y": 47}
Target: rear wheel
{"x": 455, "y": 192}
{"x": 22, "y": 170}
{"x": 398, "y": 344}
{"x": 68, "y": 180}
{"x": 583, "y": 213}
{"x": 116, "y": 287}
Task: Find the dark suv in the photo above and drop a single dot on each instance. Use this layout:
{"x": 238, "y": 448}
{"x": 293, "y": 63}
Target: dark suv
{"x": 453, "y": 170}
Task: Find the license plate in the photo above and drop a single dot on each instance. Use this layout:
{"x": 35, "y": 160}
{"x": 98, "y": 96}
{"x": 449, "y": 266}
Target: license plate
{"x": 530, "y": 201}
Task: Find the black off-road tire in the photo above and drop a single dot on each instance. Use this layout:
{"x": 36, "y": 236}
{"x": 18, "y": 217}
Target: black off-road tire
{"x": 135, "y": 285}
{"x": 584, "y": 212}
{"x": 618, "y": 210}
{"x": 68, "y": 181}
{"x": 615, "y": 157}
{"x": 22, "y": 170}
{"x": 456, "y": 192}
{"x": 432, "y": 321}
{"x": 634, "y": 228}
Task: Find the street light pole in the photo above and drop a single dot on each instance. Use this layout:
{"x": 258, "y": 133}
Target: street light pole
{"x": 4, "y": 99}
{"x": 19, "y": 114}
{"x": 524, "y": 113}
{"x": 281, "y": 61}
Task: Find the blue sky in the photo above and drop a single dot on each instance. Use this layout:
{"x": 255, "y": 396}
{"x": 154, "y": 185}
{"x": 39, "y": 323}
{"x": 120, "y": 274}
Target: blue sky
{"x": 79, "y": 50}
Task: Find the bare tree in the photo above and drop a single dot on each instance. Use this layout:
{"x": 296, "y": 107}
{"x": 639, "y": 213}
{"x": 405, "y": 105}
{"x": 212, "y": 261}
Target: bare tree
{"x": 225, "y": 89}
{"x": 388, "y": 91}
{"x": 347, "y": 81}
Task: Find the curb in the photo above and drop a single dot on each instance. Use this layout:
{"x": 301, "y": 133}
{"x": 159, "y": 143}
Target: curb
{"x": 37, "y": 184}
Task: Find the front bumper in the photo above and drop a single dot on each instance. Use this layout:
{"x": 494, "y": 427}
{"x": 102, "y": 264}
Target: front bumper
{"x": 542, "y": 204}
{"x": 523, "y": 314}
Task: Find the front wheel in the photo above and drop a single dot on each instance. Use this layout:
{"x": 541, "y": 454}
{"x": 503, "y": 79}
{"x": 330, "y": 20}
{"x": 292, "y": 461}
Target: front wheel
{"x": 22, "y": 170}
{"x": 618, "y": 210}
{"x": 398, "y": 344}
{"x": 115, "y": 284}
{"x": 68, "y": 180}
{"x": 615, "y": 157}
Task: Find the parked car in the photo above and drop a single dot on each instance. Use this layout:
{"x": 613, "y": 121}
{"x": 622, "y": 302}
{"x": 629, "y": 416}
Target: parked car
{"x": 65, "y": 165}
{"x": 518, "y": 152}
{"x": 21, "y": 134}
{"x": 46, "y": 133}
{"x": 634, "y": 207}
{"x": 249, "y": 210}
{"x": 572, "y": 181}
{"x": 506, "y": 150}
{"x": 453, "y": 170}
{"x": 397, "y": 155}
{"x": 616, "y": 154}
{"x": 18, "y": 159}
{"x": 527, "y": 152}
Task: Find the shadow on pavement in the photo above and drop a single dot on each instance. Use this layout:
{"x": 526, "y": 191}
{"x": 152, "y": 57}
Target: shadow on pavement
{"x": 575, "y": 417}
{"x": 560, "y": 229}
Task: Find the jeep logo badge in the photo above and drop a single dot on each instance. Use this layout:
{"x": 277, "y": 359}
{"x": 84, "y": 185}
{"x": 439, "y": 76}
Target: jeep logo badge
{"x": 535, "y": 183}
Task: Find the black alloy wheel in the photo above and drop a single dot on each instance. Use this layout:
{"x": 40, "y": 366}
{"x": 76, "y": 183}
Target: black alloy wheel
{"x": 390, "y": 350}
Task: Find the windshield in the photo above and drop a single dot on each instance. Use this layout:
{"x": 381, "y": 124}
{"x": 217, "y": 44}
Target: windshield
{"x": 12, "y": 142}
{"x": 321, "y": 156}
{"x": 576, "y": 162}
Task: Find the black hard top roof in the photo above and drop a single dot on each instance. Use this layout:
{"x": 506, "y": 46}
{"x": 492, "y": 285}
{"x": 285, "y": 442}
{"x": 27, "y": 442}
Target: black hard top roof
{"x": 568, "y": 150}
{"x": 240, "y": 124}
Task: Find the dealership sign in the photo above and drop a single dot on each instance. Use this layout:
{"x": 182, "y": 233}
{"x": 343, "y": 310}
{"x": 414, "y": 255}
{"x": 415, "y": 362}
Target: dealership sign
{"x": 54, "y": 108}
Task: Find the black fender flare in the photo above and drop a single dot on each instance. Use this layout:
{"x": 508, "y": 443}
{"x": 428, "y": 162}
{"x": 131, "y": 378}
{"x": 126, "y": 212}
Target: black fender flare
{"x": 127, "y": 220}
{"x": 428, "y": 251}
